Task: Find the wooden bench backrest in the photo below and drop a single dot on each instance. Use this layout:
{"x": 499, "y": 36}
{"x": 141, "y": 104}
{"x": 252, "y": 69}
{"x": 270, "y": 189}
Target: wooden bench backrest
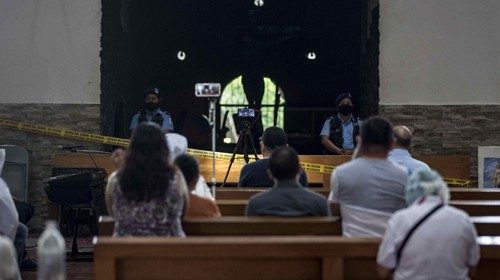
{"x": 485, "y": 225}
{"x": 472, "y": 207}
{"x": 447, "y": 166}
{"x": 250, "y": 258}
{"x": 248, "y": 226}
{"x": 456, "y": 193}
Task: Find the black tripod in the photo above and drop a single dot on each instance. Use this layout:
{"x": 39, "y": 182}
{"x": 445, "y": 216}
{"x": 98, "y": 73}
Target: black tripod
{"x": 247, "y": 139}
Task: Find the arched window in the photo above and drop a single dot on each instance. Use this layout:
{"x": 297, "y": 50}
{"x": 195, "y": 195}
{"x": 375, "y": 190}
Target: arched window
{"x": 233, "y": 97}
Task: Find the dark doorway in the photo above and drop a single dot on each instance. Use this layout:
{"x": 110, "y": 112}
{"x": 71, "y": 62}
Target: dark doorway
{"x": 313, "y": 50}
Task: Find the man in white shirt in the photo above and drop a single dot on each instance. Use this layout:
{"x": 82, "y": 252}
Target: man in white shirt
{"x": 371, "y": 180}
{"x": 401, "y": 153}
{"x": 443, "y": 246}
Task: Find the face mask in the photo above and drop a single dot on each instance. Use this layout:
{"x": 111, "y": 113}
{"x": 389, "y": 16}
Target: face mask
{"x": 345, "y": 109}
{"x": 150, "y": 106}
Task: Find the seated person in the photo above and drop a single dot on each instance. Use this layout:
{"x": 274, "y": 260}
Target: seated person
{"x": 10, "y": 226}
{"x": 178, "y": 145}
{"x": 401, "y": 153}
{"x": 287, "y": 198}
{"x": 443, "y": 246}
{"x": 369, "y": 182}
{"x": 255, "y": 174}
{"x": 198, "y": 206}
{"x": 147, "y": 195}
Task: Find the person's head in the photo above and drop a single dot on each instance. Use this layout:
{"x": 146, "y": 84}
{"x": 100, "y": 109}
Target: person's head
{"x": 284, "y": 164}
{"x": 344, "y": 104}
{"x": 376, "y": 136}
{"x": 404, "y": 137}
{"x": 189, "y": 168}
{"x": 152, "y": 98}
{"x": 146, "y": 173}
{"x": 272, "y": 138}
{"x": 423, "y": 182}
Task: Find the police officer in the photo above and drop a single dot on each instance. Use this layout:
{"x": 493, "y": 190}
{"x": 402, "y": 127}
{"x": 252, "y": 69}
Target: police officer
{"x": 339, "y": 132}
{"x": 152, "y": 112}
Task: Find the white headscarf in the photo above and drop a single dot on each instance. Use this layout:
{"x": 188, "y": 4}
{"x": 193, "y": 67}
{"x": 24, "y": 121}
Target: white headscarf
{"x": 177, "y": 145}
{"x": 423, "y": 182}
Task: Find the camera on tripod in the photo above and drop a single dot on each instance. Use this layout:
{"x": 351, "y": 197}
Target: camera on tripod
{"x": 246, "y": 113}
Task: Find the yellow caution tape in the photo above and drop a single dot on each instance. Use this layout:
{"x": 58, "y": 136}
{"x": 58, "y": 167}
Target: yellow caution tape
{"x": 459, "y": 182}
{"x": 100, "y": 139}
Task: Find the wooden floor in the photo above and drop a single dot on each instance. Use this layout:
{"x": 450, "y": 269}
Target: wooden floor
{"x": 77, "y": 270}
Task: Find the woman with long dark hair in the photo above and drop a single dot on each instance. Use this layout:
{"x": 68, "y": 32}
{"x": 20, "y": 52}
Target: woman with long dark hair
{"x": 147, "y": 195}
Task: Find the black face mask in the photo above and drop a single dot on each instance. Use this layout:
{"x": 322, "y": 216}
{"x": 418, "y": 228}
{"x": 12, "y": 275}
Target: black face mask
{"x": 150, "y": 106}
{"x": 345, "y": 109}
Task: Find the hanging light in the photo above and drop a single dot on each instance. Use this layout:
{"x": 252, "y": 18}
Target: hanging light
{"x": 311, "y": 56}
{"x": 258, "y": 3}
{"x": 181, "y": 55}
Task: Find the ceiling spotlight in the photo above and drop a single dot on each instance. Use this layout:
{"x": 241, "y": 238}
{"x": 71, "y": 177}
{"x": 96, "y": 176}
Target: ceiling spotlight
{"x": 181, "y": 55}
{"x": 258, "y": 3}
{"x": 311, "y": 55}
{"x": 227, "y": 140}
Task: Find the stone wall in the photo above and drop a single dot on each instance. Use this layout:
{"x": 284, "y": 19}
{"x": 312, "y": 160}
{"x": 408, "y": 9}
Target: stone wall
{"x": 449, "y": 129}
{"x": 79, "y": 117}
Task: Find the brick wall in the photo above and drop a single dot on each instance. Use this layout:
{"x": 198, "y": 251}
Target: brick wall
{"x": 80, "y": 117}
{"x": 449, "y": 129}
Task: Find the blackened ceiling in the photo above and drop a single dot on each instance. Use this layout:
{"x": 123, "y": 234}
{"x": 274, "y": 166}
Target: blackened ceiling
{"x": 223, "y": 39}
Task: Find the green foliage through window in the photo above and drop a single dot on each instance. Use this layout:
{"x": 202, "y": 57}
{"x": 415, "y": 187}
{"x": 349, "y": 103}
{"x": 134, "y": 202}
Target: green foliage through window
{"x": 233, "y": 97}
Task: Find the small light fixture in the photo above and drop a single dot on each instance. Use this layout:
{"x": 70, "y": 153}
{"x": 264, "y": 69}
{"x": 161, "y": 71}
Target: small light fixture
{"x": 181, "y": 55}
{"x": 258, "y": 3}
{"x": 311, "y": 56}
{"x": 227, "y": 140}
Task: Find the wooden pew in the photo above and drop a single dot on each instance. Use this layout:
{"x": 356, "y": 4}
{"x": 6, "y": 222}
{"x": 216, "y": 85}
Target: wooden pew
{"x": 252, "y": 258}
{"x": 485, "y": 226}
{"x": 474, "y": 194}
{"x": 478, "y": 207}
{"x": 248, "y": 226}
{"x": 448, "y": 166}
{"x": 456, "y": 193}
{"x": 236, "y": 207}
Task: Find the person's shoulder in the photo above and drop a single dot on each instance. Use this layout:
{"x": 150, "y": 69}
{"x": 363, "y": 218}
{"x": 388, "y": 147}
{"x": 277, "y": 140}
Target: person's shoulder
{"x": 163, "y": 112}
{"x": 347, "y": 166}
{"x": 4, "y": 189}
{"x": 420, "y": 164}
{"x": 202, "y": 201}
{"x": 397, "y": 169}
{"x": 257, "y": 164}
{"x": 262, "y": 196}
{"x": 314, "y": 195}
{"x": 458, "y": 213}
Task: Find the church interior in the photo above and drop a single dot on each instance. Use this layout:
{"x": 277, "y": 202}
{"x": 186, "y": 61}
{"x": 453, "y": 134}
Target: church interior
{"x": 366, "y": 103}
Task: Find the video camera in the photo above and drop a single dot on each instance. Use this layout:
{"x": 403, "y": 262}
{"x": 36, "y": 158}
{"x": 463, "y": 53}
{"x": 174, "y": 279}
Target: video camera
{"x": 207, "y": 90}
{"x": 246, "y": 113}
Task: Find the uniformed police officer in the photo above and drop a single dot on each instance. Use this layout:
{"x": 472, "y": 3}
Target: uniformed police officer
{"x": 339, "y": 132}
{"x": 152, "y": 112}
